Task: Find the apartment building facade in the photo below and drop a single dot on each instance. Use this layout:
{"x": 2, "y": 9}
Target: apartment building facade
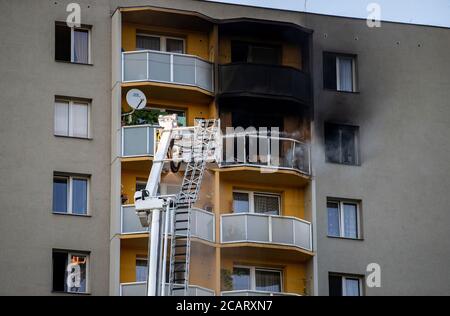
{"x": 362, "y": 166}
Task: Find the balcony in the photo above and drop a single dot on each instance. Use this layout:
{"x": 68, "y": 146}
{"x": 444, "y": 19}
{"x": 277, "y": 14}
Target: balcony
{"x": 163, "y": 67}
{"x": 138, "y": 140}
{"x": 246, "y": 79}
{"x": 140, "y": 289}
{"x": 265, "y": 229}
{"x": 256, "y": 293}
{"x": 271, "y": 152}
{"x": 202, "y": 223}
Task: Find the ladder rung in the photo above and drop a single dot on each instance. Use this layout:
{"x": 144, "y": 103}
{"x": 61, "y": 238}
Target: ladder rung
{"x": 179, "y": 262}
{"x": 178, "y": 229}
{"x": 179, "y": 254}
{"x": 182, "y": 221}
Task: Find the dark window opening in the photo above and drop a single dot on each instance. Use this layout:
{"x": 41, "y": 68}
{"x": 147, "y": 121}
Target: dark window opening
{"x": 341, "y": 144}
{"x": 59, "y": 271}
{"x": 62, "y": 43}
{"x": 339, "y": 72}
{"x": 329, "y": 71}
{"x": 335, "y": 285}
{"x": 255, "y": 53}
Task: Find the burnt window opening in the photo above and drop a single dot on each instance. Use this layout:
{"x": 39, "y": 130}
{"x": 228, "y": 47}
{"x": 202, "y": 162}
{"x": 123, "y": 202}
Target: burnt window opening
{"x": 255, "y": 53}
{"x": 341, "y": 144}
{"x": 339, "y": 72}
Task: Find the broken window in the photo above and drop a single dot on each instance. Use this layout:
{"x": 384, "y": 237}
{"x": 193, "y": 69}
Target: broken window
{"x": 341, "y": 144}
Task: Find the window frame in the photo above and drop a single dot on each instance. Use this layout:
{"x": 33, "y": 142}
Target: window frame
{"x": 341, "y": 212}
{"x": 251, "y": 201}
{"x": 252, "y": 276}
{"x": 68, "y": 254}
{"x": 344, "y": 278}
{"x": 356, "y": 137}
{"x": 162, "y": 42}
{"x": 338, "y": 79}
{"x": 141, "y": 258}
{"x": 71, "y": 102}
{"x": 69, "y": 205}
{"x": 337, "y": 56}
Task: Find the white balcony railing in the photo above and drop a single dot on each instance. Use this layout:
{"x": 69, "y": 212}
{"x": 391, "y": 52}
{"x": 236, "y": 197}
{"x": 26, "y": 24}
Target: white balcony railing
{"x": 149, "y": 65}
{"x": 202, "y": 223}
{"x": 268, "y": 229}
{"x": 140, "y": 289}
{"x": 256, "y": 293}
{"x": 138, "y": 140}
{"x": 272, "y": 152}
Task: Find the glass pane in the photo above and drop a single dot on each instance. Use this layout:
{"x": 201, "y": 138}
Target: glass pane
{"x": 204, "y": 75}
{"x": 76, "y": 279}
{"x": 183, "y": 69}
{"x": 332, "y": 143}
{"x": 140, "y": 185}
{"x": 135, "y": 66}
{"x": 159, "y": 67}
{"x": 352, "y": 287}
{"x": 79, "y": 198}
{"x": 80, "y": 120}
{"x": 345, "y": 74}
{"x": 135, "y": 141}
{"x": 348, "y": 141}
{"x": 241, "y": 279}
{"x": 333, "y": 219}
{"x": 267, "y": 204}
{"x": 283, "y": 230}
{"x": 141, "y": 270}
{"x": 240, "y": 202}
{"x": 175, "y": 46}
{"x": 60, "y": 189}
{"x": 350, "y": 221}
{"x": 269, "y": 281}
{"x": 130, "y": 221}
{"x": 257, "y": 228}
{"x": 81, "y": 46}
{"x": 233, "y": 228}
{"x": 62, "y": 118}
{"x": 147, "y": 42}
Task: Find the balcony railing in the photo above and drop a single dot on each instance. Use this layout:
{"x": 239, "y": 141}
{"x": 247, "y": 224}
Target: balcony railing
{"x": 266, "y": 80}
{"x": 267, "y": 229}
{"x": 140, "y": 289}
{"x": 149, "y": 65}
{"x": 138, "y": 140}
{"x": 202, "y": 223}
{"x": 256, "y": 293}
{"x": 253, "y": 149}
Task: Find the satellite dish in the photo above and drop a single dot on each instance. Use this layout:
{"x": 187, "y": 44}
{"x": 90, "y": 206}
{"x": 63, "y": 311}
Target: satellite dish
{"x": 136, "y": 99}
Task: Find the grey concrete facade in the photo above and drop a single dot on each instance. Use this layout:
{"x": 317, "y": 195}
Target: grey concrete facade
{"x": 402, "y": 109}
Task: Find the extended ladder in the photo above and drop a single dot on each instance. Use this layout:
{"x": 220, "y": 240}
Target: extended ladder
{"x": 203, "y": 141}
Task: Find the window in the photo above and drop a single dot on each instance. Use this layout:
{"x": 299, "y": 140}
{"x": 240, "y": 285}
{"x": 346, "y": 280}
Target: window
{"x": 256, "y": 279}
{"x": 140, "y": 185}
{"x": 70, "y": 272}
{"x": 255, "y": 53}
{"x": 70, "y": 194}
{"x": 141, "y": 269}
{"x": 72, "y": 118}
{"x": 340, "y": 285}
{"x": 159, "y": 43}
{"x": 339, "y": 72}
{"x": 343, "y": 219}
{"x": 341, "y": 144}
{"x": 255, "y": 202}
{"x": 181, "y": 115}
{"x": 72, "y": 44}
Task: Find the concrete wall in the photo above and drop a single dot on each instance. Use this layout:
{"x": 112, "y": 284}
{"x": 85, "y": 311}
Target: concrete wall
{"x": 30, "y": 153}
{"x": 403, "y": 112}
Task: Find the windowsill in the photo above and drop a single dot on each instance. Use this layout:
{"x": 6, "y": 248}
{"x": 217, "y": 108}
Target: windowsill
{"x": 73, "y": 63}
{"x": 345, "y": 238}
{"x": 71, "y": 293}
{"x": 71, "y": 214}
{"x": 73, "y": 137}
{"x": 345, "y": 92}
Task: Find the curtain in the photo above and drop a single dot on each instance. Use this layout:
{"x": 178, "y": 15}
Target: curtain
{"x": 350, "y": 221}
{"x": 333, "y": 219}
{"x": 266, "y": 204}
{"x": 174, "y": 46}
{"x": 60, "y": 189}
{"x": 62, "y": 118}
{"x": 79, "y": 196}
{"x": 80, "y": 120}
{"x": 351, "y": 287}
{"x": 345, "y": 74}
{"x": 144, "y": 42}
{"x": 81, "y": 46}
{"x": 268, "y": 281}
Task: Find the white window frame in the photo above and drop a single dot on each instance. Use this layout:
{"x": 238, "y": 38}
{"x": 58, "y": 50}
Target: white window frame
{"x": 342, "y": 218}
{"x": 163, "y": 42}
{"x": 338, "y": 80}
{"x": 72, "y": 44}
{"x": 69, "y": 254}
{"x": 71, "y": 102}
{"x": 253, "y": 275}
{"x": 251, "y": 200}
{"x": 70, "y": 194}
{"x": 135, "y": 265}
